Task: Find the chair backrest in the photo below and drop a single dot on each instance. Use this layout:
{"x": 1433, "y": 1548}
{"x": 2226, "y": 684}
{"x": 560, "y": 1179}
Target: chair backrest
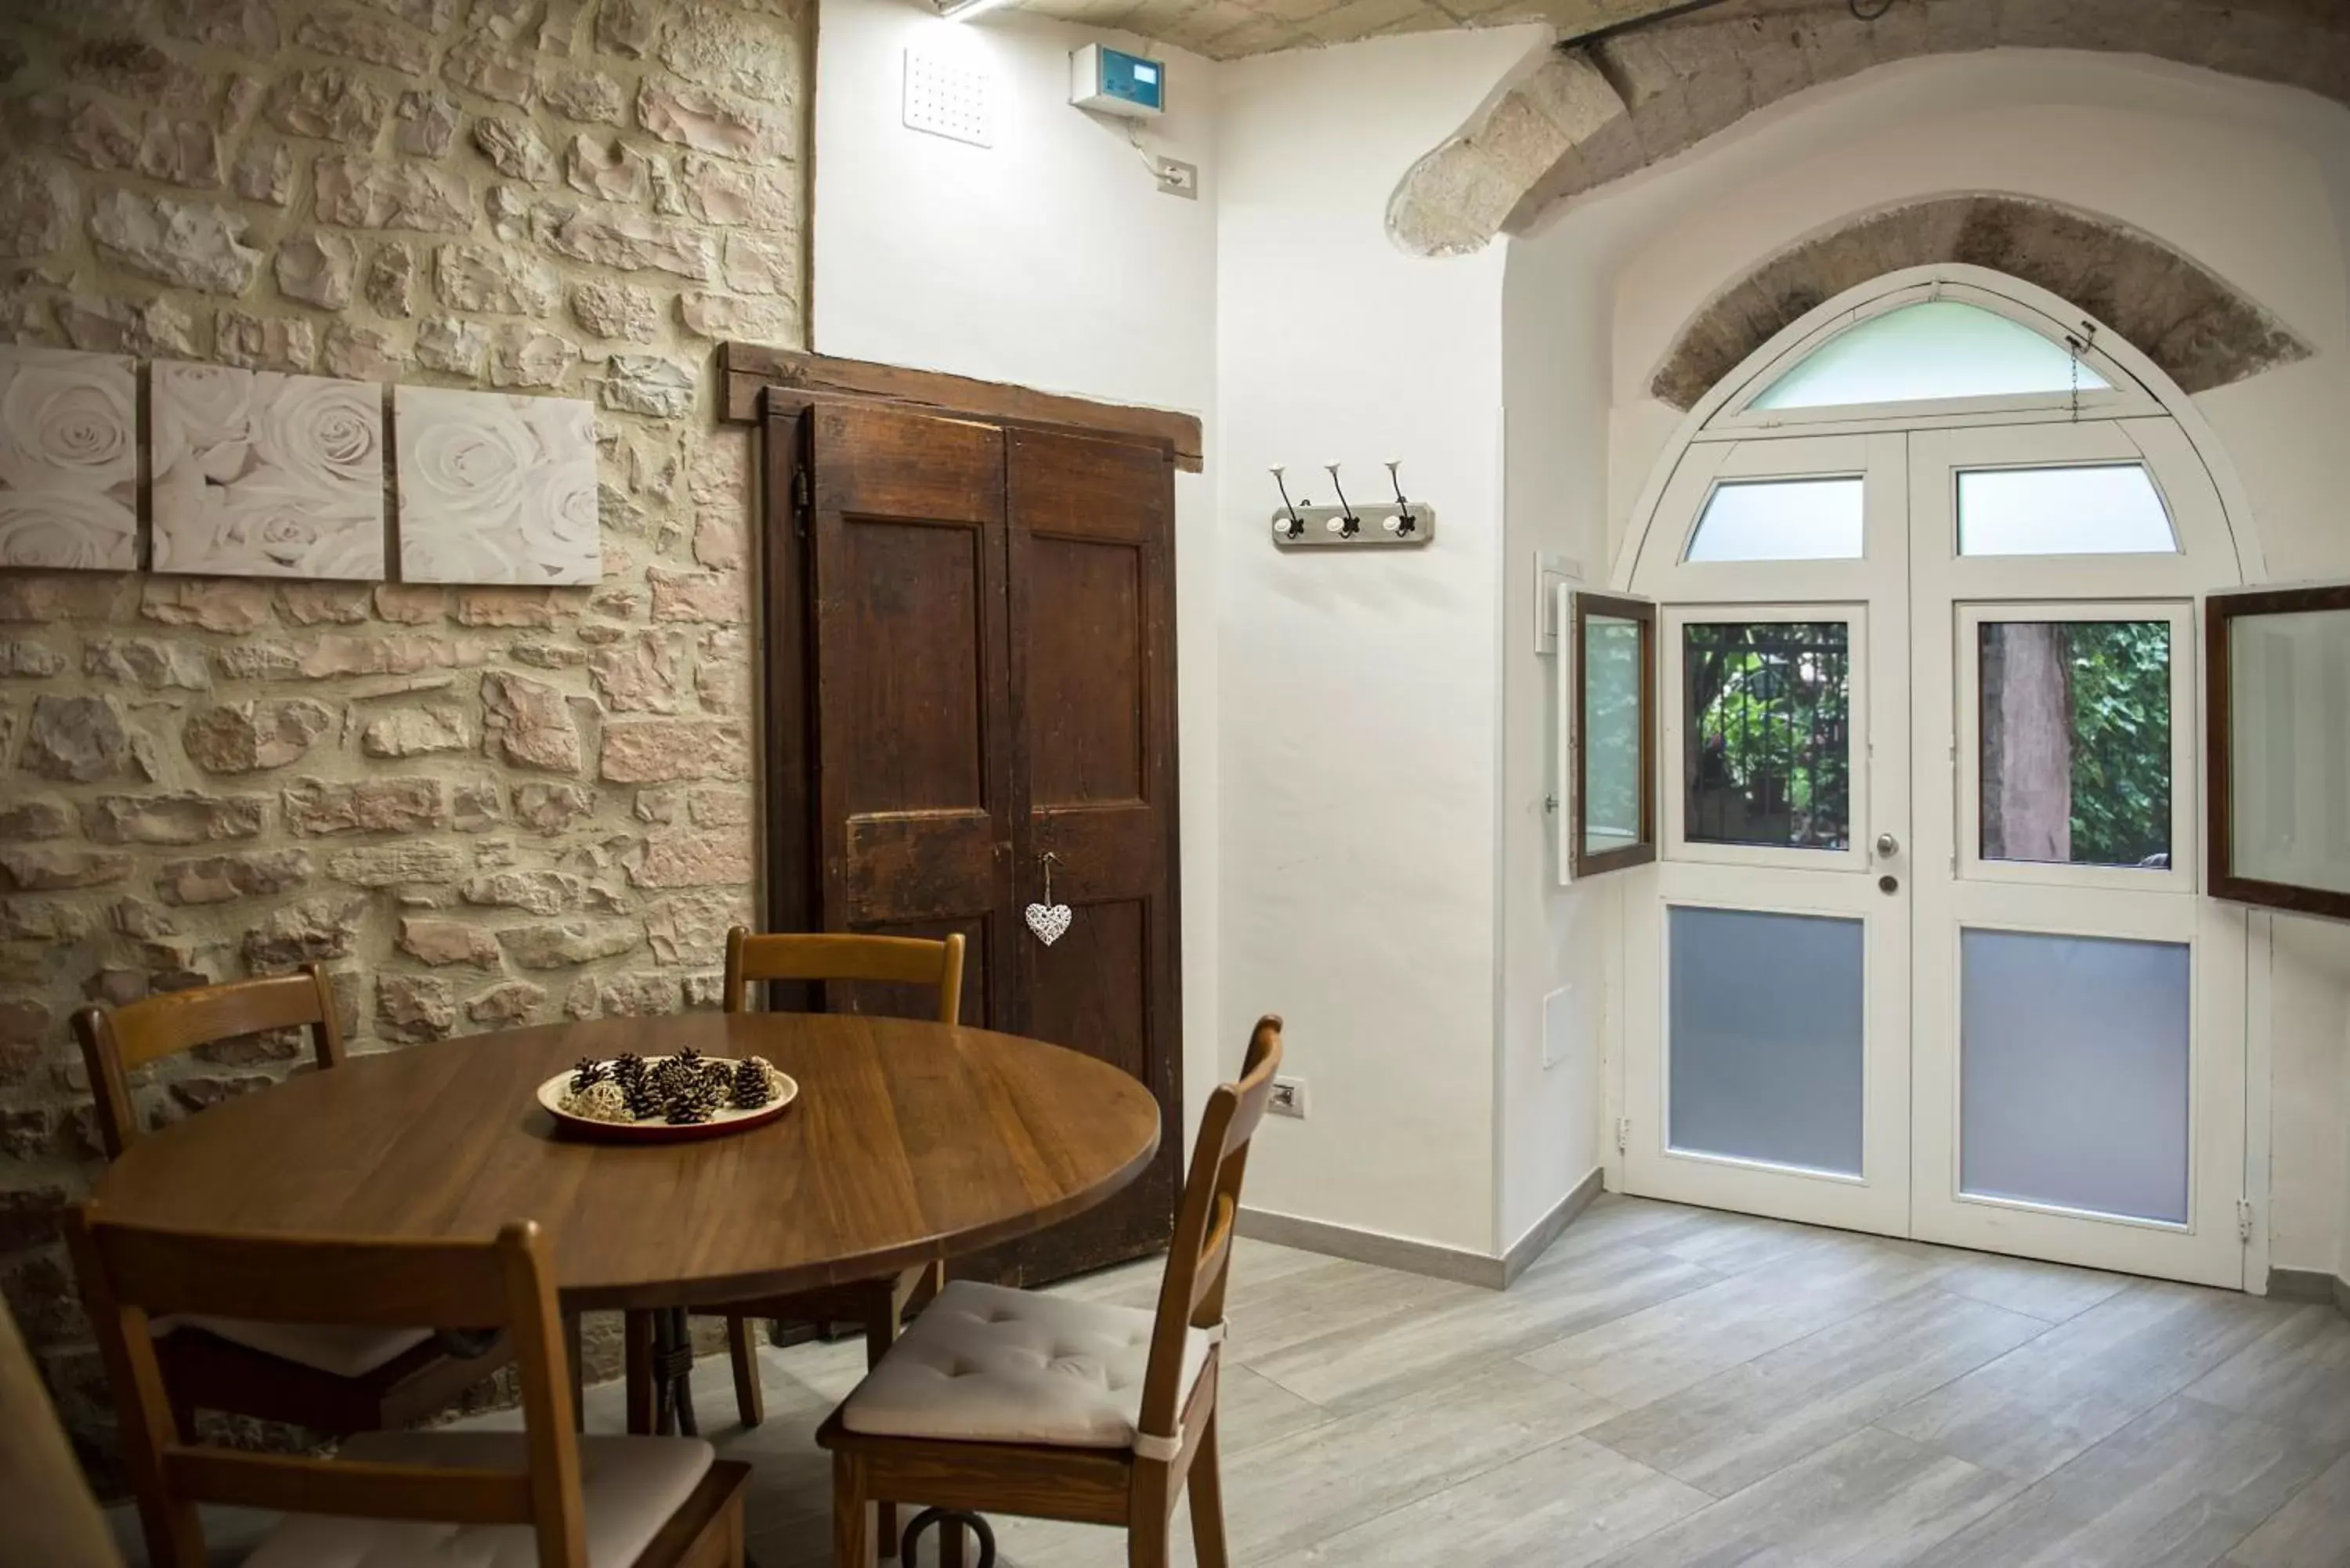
{"x": 832, "y": 955}
{"x": 1199, "y": 1260}
{"x": 47, "y": 1512}
{"x": 116, "y": 1041}
{"x": 130, "y": 1274}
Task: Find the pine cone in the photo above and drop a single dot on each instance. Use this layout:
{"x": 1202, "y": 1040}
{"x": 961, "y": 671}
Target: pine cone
{"x": 687, "y": 1057}
{"x": 627, "y": 1067}
{"x": 693, "y": 1100}
{"x": 750, "y": 1088}
{"x": 668, "y": 1076}
{"x": 639, "y": 1095}
{"x": 588, "y": 1073}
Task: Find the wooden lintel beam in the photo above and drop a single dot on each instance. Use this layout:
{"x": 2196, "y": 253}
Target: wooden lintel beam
{"x": 749, "y": 369}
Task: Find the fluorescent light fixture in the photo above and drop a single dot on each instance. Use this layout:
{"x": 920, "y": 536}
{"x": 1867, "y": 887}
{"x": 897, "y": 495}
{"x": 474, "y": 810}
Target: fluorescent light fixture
{"x": 965, "y": 10}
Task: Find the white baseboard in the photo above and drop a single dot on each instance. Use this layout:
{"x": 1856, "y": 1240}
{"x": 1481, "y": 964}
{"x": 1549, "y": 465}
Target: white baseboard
{"x": 1416, "y": 1257}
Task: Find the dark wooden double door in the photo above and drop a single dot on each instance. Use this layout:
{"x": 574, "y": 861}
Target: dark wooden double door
{"x": 986, "y": 621}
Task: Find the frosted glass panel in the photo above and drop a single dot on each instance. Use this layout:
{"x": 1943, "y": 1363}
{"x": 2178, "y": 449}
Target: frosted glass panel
{"x": 1781, "y": 520}
{"x": 1614, "y": 759}
{"x": 1764, "y": 1037}
{"x": 2102, "y": 509}
{"x": 1938, "y": 349}
{"x": 2072, "y": 1073}
{"x": 2289, "y": 719}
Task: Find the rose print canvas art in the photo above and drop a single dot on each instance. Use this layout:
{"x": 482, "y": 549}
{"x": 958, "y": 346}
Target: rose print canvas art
{"x": 259, "y": 474}
{"x": 495, "y": 489}
{"x": 68, "y": 460}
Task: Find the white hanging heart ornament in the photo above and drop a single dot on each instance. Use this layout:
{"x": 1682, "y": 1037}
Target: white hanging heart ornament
{"x": 1049, "y": 921}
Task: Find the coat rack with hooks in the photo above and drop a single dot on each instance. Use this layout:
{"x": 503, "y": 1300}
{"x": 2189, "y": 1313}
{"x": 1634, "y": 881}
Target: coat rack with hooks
{"x": 1299, "y": 524}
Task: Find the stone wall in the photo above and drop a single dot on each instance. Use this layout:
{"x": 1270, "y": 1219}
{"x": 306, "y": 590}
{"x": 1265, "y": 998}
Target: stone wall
{"x": 1592, "y": 113}
{"x": 480, "y": 808}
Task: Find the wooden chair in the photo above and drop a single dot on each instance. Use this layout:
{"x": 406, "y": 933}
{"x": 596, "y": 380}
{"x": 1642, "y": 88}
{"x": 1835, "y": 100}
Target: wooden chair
{"x": 330, "y": 1380}
{"x": 47, "y": 1515}
{"x": 653, "y": 1502}
{"x": 879, "y": 1305}
{"x": 955, "y": 1416}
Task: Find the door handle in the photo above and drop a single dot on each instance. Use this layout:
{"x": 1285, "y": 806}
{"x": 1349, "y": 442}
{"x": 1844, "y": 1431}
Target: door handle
{"x": 1887, "y": 846}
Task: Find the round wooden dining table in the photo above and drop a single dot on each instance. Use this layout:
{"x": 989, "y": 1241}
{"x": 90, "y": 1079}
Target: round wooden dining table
{"x": 908, "y": 1141}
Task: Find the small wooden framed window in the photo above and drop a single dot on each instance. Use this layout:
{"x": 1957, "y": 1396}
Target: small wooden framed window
{"x": 1611, "y": 772}
{"x": 2277, "y": 668}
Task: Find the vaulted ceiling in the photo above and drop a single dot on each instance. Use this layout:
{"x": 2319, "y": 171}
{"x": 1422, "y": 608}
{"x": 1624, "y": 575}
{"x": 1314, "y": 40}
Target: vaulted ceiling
{"x": 1225, "y": 29}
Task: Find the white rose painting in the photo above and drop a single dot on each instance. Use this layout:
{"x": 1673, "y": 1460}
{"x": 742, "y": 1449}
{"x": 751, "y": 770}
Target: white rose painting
{"x": 495, "y": 489}
{"x": 259, "y": 474}
{"x": 68, "y": 460}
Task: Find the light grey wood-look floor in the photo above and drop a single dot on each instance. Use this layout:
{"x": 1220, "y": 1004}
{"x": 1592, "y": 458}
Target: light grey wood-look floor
{"x": 1675, "y": 1386}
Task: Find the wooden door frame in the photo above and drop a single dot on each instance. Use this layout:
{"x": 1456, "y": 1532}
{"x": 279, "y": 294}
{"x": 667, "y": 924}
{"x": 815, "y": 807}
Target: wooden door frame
{"x": 772, "y": 389}
{"x": 784, "y": 540}
{"x": 749, "y": 374}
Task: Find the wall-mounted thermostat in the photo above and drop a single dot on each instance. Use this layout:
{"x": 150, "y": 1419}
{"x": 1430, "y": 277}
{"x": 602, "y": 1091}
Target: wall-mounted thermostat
{"x": 1111, "y": 81}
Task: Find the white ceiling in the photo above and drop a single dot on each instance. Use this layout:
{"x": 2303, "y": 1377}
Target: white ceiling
{"x": 1225, "y": 29}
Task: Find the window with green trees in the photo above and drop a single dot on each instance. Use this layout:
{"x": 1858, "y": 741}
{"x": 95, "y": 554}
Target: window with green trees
{"x": 1768, "y": 760}
{"x": 2075, "y": 742}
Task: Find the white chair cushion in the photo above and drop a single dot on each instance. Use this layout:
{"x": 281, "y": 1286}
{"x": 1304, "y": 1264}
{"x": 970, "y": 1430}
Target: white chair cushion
{"x": 984, "y": 1364}
{"x": 345, "y": 1350}
{"x": 631, "y": 1485}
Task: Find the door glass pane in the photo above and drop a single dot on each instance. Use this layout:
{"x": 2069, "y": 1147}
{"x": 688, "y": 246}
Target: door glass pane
{"x": 1781, "y": 520}
{"x": 1768, "y": 721}
{"x": 2075, "y": 742}
{"x": 1765, "y": 1046}
{"x": 2288, "y": 740}
{"x": 1941, "y": 348}
{"x": 2073, "y": 1072}
{"x": 1613, "y": 758}
{"x": 2098, "y": 509}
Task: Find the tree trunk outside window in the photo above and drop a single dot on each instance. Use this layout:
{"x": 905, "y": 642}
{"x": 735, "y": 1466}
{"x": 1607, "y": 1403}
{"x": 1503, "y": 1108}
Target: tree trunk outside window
{"x": 2027, "y": 742}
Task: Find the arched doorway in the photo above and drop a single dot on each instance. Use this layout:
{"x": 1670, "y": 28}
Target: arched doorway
{"x": 1926, "y": 954}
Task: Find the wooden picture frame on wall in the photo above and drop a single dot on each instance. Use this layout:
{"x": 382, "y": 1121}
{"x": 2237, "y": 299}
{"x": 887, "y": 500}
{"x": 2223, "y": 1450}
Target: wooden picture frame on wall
{"x": 1583, "y": 860}
{"x": 2302, "y": 716}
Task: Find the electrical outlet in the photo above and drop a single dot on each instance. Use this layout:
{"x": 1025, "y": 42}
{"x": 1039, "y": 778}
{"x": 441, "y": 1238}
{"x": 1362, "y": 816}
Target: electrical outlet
{"x": 1288, "y": 1098}
{"x": 1559, "y": 1025}
{"x": 1176, "y": 178}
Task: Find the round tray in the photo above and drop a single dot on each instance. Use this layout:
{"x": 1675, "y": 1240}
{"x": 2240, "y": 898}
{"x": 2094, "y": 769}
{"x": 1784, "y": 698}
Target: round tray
{"x": 726, "y": 1119}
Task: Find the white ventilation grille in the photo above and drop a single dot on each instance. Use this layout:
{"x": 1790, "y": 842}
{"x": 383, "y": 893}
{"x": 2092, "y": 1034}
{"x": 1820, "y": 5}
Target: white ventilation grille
{"x": 949, "y": 98}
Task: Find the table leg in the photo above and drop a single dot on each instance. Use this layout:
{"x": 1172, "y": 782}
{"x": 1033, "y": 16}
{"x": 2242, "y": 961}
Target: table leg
{"x": 951, "y": 1523}
{"x": 674, "y": 1374}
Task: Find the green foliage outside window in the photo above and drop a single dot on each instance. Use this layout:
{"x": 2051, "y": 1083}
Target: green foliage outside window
{"x": 2121, "y": 741}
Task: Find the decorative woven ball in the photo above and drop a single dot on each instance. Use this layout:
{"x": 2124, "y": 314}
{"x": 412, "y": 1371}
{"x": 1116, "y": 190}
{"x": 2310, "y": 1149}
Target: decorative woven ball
{"x": 599, "y": 1102}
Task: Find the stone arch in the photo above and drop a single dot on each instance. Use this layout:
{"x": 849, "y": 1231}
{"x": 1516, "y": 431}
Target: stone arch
{"x": 1590, "y": 113}
{"x": 2179, "y": 313}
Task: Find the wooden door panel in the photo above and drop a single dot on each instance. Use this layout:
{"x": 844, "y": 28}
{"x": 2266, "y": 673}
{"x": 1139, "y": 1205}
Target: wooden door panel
{"x": 915, "y": 746}
{"x": 919, "y": 1001}
{"x": 1091, "y": 532}
{"x": 991, "y": 657}
{"x": 1084, "y": 697}
{"x": 1088, "y": 983}
{"x": 919, "y": 677}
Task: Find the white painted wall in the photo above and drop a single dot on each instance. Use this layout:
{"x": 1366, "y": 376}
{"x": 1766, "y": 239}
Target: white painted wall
{"x": 1554, "y": 378}
{"x": 1049, "y": 260}
{"x": 1360, "y": 704}
{"x": 2253, "y": 181}
{"x": 1368, "y": 737}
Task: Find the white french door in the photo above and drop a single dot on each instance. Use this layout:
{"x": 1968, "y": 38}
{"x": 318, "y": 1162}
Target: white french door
{"x": 1770, "y": 976}
{"x": 1926, "y": 954}
{"x": 2077, "y": 1065}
